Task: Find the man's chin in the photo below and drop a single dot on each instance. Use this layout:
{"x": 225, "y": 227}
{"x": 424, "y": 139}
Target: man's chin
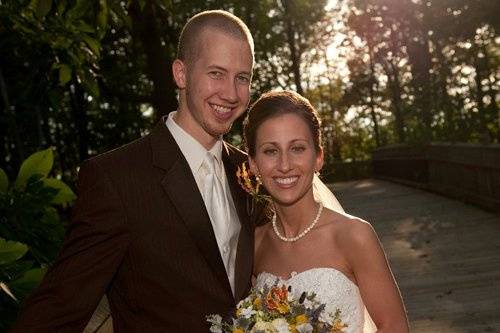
{"x": 217, "y": 131}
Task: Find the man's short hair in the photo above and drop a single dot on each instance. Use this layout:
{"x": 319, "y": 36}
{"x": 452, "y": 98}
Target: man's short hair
{"x": 220, "y": 20}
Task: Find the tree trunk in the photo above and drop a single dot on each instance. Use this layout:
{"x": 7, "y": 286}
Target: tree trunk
{"x": 420, "y": 58}
{"x": 12, "y": 126}
{"x": 294, "y": 52}
{"x": 371, "y": 103}
{"x": 482, "y": 112}
{"x": 159, "y": 62}
{"x": 80, "y": 118}
{"x": 392, "y": 71}
{"x": 492, "y": 93}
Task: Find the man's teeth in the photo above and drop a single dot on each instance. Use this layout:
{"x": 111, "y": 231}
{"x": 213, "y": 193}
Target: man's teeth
{"x": 221, "y": 109}
{"x": 286, "y": 181}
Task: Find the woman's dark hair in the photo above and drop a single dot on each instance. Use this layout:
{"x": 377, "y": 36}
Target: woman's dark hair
{"x": 276, "y": 103}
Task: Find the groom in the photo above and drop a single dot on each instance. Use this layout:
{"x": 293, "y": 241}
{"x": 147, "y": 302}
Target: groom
{"x": 161, "y": 224}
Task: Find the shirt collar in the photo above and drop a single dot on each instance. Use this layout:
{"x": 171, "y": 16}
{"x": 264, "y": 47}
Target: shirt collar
{"x": 193, "y": 151}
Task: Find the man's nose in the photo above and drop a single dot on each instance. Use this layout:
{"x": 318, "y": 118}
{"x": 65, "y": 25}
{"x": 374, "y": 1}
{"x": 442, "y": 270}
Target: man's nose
{"x": 229, "y": 91}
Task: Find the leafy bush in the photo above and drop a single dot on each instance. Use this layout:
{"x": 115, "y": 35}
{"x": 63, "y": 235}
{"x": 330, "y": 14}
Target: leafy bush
{"x": 31, "y": 231}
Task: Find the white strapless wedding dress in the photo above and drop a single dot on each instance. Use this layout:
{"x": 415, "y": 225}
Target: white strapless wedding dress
{"x": 333, "y": 289}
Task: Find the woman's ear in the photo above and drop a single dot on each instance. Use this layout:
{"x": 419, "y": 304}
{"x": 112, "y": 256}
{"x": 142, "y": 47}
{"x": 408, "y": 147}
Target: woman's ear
{"x": 253, "y": 166}
{"x": 179, "y": 72}
{"x": 319, "y": 160}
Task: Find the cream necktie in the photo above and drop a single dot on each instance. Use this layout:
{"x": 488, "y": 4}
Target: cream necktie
{"x": 216, "y": 203}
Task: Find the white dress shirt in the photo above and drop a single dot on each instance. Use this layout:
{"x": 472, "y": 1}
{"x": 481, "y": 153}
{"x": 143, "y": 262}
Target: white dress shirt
{"x": 194, "y": 152}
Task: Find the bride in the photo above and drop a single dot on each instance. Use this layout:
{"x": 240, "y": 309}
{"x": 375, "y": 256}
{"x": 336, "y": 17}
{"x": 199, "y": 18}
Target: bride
{"x": 307, "y": 245}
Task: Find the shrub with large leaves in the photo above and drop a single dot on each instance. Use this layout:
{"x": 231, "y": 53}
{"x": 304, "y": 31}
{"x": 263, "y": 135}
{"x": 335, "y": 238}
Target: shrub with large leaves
{"x": 31, "y": 230}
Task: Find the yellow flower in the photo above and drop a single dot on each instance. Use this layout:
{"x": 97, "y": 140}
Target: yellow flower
{"x": 263, "y": 326}
{"x": 337, "y": 326}
{"x": 283, "y": 308}
{"x": 238, "y": 330}
{"x": 256, "y": 303}
{"x": 301, "y": 319}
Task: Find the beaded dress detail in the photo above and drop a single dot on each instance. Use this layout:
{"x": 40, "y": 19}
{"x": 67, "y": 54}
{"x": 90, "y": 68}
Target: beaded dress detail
{"x": 332, "y": 287}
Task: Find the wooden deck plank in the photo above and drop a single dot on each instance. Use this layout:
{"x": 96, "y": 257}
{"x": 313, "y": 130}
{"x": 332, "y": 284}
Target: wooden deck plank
{"x": 445, "y": 254}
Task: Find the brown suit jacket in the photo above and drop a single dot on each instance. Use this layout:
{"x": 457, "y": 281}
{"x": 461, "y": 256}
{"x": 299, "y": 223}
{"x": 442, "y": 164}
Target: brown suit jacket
{"x": 141, "y": 234}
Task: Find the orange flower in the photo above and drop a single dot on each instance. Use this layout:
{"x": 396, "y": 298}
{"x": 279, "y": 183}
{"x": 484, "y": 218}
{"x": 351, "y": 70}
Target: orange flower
{"x": 277, "y": 300}
{"x": 244, "y": 177}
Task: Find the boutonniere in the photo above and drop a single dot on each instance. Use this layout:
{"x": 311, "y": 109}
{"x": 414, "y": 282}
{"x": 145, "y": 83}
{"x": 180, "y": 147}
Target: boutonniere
{"x": 250, "y": 183}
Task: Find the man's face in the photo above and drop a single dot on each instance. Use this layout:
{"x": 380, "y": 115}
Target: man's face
{"x": 216, "y": 86}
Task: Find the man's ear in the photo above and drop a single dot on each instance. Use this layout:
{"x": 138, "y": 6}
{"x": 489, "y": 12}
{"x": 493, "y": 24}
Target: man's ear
{"x": 179, "y": 71}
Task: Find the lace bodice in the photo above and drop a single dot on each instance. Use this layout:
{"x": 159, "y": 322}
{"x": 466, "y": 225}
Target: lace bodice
{"x": 331, "y": 286}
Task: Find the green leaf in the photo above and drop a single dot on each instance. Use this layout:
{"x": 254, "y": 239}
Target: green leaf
{"x": 29, "y": 281}
{"x": 11, "y": 251}
{"x": 142, "y": 4}
{"x": 64, "y": 194}
{"x": 4, "y": 181}
{"x": 64, "y": 74}
{"x": 43, "y": 8}
{"x": 80, "y": 8}
{"x": 15, "y": 269}
{"x": 91, "y": 85}
{"x": 61, "y": 6}
{"x": 84, "y": 27}
{"x": 40, "y": 163}
{"x": 93, "y": 44}
{"x": 102, "y": 17}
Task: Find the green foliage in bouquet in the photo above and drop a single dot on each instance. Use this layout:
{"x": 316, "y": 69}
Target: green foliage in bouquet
{"x": 31, "y": 231}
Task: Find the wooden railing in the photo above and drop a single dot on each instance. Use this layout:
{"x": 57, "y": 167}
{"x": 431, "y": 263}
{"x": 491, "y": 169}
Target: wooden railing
{"x": 470, "y": 172}
{"x": 343, "y": 171}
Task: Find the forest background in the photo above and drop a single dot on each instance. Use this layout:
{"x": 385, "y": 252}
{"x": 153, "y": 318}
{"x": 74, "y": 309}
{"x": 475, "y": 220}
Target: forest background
{"x": 84, "y": 77}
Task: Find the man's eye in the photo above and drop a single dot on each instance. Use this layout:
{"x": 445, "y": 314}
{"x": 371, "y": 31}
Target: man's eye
{"x": 215, "y": 74}
{"x": 243, "y": 79}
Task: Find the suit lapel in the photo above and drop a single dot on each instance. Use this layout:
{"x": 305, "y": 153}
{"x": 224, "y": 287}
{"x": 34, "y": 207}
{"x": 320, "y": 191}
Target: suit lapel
{"x": 244, "y": 254}
{"x": 181, "y": 188}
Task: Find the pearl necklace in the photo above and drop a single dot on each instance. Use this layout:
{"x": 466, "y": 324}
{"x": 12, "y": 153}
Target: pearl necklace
{"x": 303, "y": 233}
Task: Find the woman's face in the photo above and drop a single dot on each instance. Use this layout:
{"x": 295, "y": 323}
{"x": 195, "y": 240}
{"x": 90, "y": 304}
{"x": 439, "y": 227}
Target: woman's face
{"x": 285, "y": 158}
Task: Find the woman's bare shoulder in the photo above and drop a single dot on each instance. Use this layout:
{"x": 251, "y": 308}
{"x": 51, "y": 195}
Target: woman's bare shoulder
{"x": 351, "y": 230}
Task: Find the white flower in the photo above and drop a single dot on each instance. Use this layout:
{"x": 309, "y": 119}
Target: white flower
{"x": 304, "y": 328}
{"x": 247, "y": 312}
{"x": 326, "y": 318}
{"x": 281, "y": 325}
{"x": 216, "y": 322}
{"x": 248, "y": 299}
{"x": 215, "y": 329}
{"x": 309, "y": 304}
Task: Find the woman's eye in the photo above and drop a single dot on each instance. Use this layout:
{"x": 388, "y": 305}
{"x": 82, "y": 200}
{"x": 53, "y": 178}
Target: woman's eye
{"x": 270, "y": 151}
{"x": 298, "y": 149}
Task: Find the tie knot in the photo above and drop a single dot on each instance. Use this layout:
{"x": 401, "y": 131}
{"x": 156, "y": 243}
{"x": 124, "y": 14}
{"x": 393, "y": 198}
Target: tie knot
{"x": 212, "y": 164}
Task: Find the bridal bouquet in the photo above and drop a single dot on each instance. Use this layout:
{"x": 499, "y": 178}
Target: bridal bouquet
{"x": 275, "y": 310}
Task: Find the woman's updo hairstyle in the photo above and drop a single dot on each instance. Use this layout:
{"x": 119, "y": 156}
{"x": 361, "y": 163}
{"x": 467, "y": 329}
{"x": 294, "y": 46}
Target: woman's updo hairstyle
{"x": 276, "y": 103}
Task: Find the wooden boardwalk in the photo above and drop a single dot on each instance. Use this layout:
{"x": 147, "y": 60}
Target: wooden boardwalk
{"x": 444, "y": 254}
